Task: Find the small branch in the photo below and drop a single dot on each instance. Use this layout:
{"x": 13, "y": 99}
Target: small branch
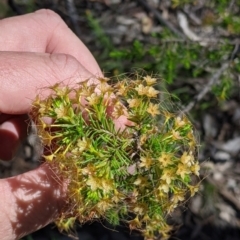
{"x": 236, "y": 51}
{"x": 159, "y": 17}
{"x": 225, "y": 193}
{"x": 215, "y": 43}
{"x": 183, "y": 23}
{"x": 215, "y": 77}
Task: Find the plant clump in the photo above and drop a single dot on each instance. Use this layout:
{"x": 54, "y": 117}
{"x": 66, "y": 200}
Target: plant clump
{"x": 137, "y": 174}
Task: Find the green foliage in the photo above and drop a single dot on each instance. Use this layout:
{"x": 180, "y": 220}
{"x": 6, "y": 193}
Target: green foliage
{"x": 223, "y": 90}
{"x": 25, "y": 6}
{"x": 4, "y": 10}
{"x": 101, "y": 38}
{"x": 171, "y": 57}
{"x": 30, "y": 6}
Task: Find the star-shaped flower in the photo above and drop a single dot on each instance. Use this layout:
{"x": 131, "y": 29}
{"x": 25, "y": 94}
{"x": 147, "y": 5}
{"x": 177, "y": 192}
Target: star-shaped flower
{"x": 152, "y": 92}
{"x": 153, "y": 109}
{"x": 145, "y": 162}
{"x": 149, "y": 80}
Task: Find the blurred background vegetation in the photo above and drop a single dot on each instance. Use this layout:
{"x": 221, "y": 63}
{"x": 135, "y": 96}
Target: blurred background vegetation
{"x": 182, "y": 54}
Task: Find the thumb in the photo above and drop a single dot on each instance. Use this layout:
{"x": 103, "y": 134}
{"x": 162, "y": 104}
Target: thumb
{"x": 22, "y": 76}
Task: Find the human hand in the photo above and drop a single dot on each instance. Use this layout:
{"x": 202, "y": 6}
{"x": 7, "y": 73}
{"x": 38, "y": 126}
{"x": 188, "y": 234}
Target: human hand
{"x": 37, "y": 50}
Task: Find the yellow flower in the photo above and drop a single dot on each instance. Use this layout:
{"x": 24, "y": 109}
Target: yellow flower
{"x": 178, "y": 197}
{"x": 104, "y": 205}
{"x": 149, "y": 80}
{"x": 107, "y": 185}
{"x": 171, "y": 207}
{"x": 192, "y": 143}
{"x": 82, "y": 144}
{"x": 193, "y": 190}
{"x": 87, "y": 90}
{"x": 153, "y": 130}
{"x": 167, "y": 116}
{"x": 164, "y": 187}
{"x": 93, "y": 183}
{"x": 195, "y": 169}
{"x": 141, "y": 181}
{"x": 146, "y": 218}
{"x": 89, "y": 170}
{"x": 47, "y": 138}
{"x": 153, "y": 109}
{"x": 134, "y": 195}
{"x": 145, "y": 162}
{"x": 104, "y": 87}
{"x": 182, "y": 170}
{"x": 134, "y": 224}
{"x": 60, "y": 91}
{"x": 168, "y": 175}
{"x": 190, "y": 136}
{"x": 165, "y": 159}
{"x": 134, "y": 103}
{"x": 103, "y": 79}
{"x": 148, "y": 234}
{"x": 121, "y": 87}
{"x": 141, "y": 90}
{"x": 176, "y": 135}
{"x": 139, "y": 209}
{"x": 152, "y": 92}
{"x": 66, "y": 224}
{"x": 118, "y": 110}
{"x": 179, "y": 122}
{"x": 49, "y": 158}
{"x": 61, "y": 111}
{"x": 187, "y": 159}
{"x": 93, "y": 99}
{"x": 143, "y": 139}
{"x": 42, "y": 106}
{"x": 116, "y": 198}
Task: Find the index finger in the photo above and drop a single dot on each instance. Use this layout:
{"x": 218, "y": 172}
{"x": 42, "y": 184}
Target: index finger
{"x": 44, "y": 31}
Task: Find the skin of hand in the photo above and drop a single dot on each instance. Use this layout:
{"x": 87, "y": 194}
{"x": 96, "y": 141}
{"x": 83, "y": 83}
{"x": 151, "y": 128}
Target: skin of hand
{"x": 37, "y": 50}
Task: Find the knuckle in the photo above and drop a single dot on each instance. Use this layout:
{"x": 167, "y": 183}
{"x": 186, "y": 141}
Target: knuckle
{"x": 49, "y": 14}
{"x": 64, "y": 63}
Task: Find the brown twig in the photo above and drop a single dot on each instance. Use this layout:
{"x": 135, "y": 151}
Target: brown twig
{"x": 215, "y": 77}
{"x": 225, "y": 193}
{"x": 159, "y": 17}
{"x": 208, "y": 41}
